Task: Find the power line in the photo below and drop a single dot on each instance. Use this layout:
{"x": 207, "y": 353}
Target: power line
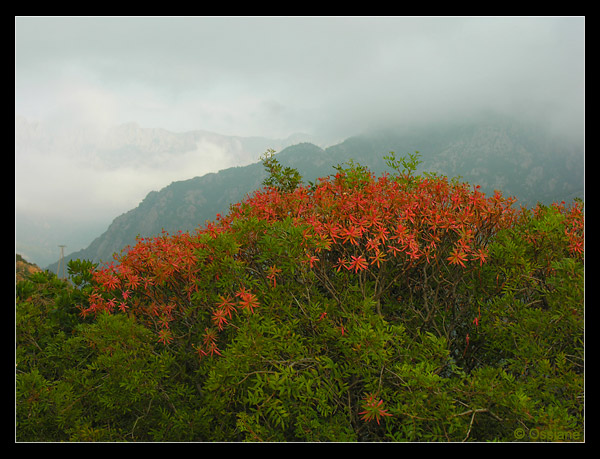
{"x": 61, "y": 260}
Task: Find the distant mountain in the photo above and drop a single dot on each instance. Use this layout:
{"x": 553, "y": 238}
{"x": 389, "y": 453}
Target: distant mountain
{"x": 132, "y": 145}
{"x": 494, "y": 152}
{"x": 159, "y": 147}
{"x": 154, "y": 157}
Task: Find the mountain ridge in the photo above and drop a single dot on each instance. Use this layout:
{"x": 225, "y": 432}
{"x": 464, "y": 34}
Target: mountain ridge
{"x": 495, "y": 153}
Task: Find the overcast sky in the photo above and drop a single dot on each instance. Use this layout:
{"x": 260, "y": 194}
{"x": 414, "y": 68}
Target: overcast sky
{"x": 276, "y": 75}
{"x": 331, "y": 77}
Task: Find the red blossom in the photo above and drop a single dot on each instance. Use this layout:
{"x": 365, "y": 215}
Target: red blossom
{"x": 351, "y": 234}
{"x": 373, "y": 408}
{"x": 248, "y": 301}
{"x": 165, "y": 336}
{"x": 226, "y": 305}
{"x": 358, "y": 263}
{"x": 481, "y": 255}
{"x": 219, "y": 318}
{"x": 312, "y": 259}
{"x": 457, "y": 257}
{"x": 272, "y": 276}
{"x": 379, "y": 258}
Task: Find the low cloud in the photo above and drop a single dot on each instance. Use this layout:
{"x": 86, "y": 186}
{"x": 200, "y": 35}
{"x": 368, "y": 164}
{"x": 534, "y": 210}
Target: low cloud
{"x": 331, "y": 77}
{"x": 274, "y": 76}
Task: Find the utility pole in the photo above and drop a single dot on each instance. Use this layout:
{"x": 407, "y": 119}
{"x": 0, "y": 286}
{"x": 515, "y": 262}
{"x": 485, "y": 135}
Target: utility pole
{"x": 61, "y": 260}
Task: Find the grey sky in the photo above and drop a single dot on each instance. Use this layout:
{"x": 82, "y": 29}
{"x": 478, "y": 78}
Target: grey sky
{"x": 331, "y": 77}
{"x": 272, "y": 76}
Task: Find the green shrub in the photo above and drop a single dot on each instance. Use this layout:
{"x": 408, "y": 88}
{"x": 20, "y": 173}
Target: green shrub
{"x": 402, "y": 308}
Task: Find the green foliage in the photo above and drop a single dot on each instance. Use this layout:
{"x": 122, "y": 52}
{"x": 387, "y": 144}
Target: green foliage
{"x": 354, "y": 174}
{"x": 274, "y": 324}
{"x": 403, "y": 167}
{"x": 283, "y": 179}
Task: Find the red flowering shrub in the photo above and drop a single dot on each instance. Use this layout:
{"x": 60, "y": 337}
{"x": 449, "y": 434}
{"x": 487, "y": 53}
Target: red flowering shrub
{"x": 389, "y": 232}
{"x": 397, "y": 307}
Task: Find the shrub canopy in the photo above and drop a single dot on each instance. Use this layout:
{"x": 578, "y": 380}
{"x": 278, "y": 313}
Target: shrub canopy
{"x": 357, "y": 308}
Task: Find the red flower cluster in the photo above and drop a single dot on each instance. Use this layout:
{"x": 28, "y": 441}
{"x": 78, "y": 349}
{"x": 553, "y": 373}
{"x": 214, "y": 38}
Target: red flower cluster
{"x": 574, "y": 226}
{"x": 366, "y": 227}
{"x": 155, "y": 280}
{"x": 385, "y": 217}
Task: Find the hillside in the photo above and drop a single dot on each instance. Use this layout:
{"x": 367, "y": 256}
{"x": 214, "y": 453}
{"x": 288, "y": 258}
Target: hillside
{"x": 23, "y": 268}
{"x": 494, "y": 152}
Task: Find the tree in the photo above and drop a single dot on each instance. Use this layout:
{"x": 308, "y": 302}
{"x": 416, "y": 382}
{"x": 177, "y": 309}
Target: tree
{"x": 280, "y": 178}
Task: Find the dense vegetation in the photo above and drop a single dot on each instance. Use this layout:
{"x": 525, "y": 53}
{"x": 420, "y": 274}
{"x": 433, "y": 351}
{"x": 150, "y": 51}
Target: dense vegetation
{"x": 355, "y": 308}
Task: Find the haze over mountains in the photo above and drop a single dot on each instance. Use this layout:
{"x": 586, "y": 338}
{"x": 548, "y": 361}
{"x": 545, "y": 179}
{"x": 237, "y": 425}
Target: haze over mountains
{"x": 494, "y": 151}
{"x": 124, "y": 162}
